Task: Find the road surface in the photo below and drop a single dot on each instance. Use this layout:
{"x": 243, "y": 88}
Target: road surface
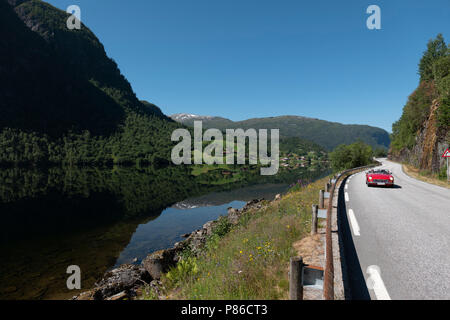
{"x": 396, "y": 240}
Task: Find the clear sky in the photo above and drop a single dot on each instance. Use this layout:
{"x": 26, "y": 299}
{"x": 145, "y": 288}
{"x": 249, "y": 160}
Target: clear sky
{"x": 253, "y": 58}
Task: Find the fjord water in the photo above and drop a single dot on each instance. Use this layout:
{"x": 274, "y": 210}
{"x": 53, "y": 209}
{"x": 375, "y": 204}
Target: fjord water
{"x": 101, "y": 218}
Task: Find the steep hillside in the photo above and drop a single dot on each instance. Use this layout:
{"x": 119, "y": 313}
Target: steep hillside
{"x": 63, "y": 100}
{"x": 422, "y": 133}
{"x": 327, "y": 134}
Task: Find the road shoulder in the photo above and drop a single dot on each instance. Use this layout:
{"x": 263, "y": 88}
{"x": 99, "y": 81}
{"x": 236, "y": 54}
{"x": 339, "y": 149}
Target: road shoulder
{"x": 413, "y": 173}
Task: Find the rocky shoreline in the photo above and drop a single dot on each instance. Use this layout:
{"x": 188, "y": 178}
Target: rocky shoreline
{"x": 128, "y": 280}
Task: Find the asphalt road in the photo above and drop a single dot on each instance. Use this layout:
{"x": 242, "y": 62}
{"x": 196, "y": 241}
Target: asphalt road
{"x": 397, "y": 241}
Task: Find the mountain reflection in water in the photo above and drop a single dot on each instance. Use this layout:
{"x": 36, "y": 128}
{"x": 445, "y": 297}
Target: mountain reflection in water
{"x": 99, "y": 218}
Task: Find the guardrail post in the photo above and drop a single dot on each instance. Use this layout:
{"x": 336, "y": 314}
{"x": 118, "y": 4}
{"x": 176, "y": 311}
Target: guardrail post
{"x": 321, "y": 199}
{"x": 315, "y": 210}
{"x": 296, "y": 279}
{"x": 328, "y": 186}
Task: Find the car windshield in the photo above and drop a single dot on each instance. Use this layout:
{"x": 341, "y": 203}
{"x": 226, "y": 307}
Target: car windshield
{"x": 380, "y": 171}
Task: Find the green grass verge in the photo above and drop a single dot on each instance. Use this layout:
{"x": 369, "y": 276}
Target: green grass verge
{"x": 248, "y": 260}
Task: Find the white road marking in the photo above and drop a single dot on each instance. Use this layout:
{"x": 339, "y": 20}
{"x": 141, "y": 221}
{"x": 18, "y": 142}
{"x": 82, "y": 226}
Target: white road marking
{"x": 354, "y": 223}
{"x": 346, "y": 186}
{"x": 346, "y": 197}
{"x": 375, "y": 282}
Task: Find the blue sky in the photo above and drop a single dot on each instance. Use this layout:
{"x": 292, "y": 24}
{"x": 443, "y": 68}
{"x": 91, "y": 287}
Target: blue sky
{"x": 252, "y": 58}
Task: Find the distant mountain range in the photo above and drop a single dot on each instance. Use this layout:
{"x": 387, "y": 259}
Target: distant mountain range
{"x": 327, "y": 134}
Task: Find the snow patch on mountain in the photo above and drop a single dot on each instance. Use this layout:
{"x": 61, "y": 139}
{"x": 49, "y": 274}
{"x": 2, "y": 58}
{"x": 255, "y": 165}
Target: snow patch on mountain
{"x": 189, "y": 116}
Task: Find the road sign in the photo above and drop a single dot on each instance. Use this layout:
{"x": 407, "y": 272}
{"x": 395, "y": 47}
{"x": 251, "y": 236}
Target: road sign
{"x": 446, "y": 154}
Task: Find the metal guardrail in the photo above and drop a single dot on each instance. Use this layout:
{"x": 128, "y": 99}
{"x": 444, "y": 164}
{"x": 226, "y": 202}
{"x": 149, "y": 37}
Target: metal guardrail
{"x": 328, "y": 285}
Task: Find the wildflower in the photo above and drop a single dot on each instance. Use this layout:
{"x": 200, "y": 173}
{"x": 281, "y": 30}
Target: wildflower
{"x": 240, "y": 252}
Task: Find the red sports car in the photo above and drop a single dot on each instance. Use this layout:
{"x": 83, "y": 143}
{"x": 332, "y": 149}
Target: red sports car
{"x": 379, "y": 177}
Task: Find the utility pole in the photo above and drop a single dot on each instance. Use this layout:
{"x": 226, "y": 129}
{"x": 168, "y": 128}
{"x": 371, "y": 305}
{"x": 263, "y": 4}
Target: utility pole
{"x": 448, "y": 171}
{"x": 447, "y": 155}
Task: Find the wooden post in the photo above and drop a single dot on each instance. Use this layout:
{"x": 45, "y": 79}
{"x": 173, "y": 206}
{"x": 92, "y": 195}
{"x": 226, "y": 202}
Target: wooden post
{"x": 315, "y": 211}
{"x": 296, "y": 279}
{"x": 328, "y": 186}
{"x": 321, "y": 199}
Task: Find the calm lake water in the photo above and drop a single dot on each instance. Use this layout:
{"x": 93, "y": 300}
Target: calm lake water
{"x": 99, "y": 219}
{"x": 189, "y": 215}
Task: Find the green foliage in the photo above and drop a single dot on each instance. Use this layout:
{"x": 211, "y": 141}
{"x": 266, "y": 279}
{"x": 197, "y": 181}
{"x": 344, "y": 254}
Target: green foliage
{"x": 185, "y": 268}
{"x": 380, "y": 153}
{"x": 357, "y": 154}
{"x": 222, "y": 227}
{"x": 441, "y": 73}
{"x": 298, "y": 146}
{"x": 78, "y": 109}
{"x": 415, "y": 112}
{"x": 434, "y": 70}
{"x": 436, "y": 49}
{"x": 442, "y": 174}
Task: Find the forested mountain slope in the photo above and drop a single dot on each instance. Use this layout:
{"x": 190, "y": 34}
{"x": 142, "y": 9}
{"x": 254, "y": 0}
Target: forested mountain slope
{"x": 422, "y": 133}
{"x": 327, "y": 134}
{"x": 62, "y": 100}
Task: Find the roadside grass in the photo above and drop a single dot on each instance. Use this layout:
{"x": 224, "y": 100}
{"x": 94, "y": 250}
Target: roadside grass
{"x": 427, "y": 176}
{"x": 248, "y": 260}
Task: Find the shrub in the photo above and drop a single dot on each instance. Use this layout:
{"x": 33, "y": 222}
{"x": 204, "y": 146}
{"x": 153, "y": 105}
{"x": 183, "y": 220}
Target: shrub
{"x": 357, "y": 154}
{"x": 442, "y": 175}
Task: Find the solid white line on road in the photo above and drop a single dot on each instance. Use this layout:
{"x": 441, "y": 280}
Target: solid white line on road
{"x": 376, "y": 283}
{"x": 346, "y": 197}
{"x": 346, "y": 186}
{"x": 354, "y": 222}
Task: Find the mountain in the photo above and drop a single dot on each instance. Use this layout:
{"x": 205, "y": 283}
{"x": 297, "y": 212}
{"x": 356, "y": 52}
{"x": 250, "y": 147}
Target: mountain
{"x": 325, "y": 133}
{"x": 211, "y": 122}
{"x": 422, "y": 133}
{"x": 63, "y": 100}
